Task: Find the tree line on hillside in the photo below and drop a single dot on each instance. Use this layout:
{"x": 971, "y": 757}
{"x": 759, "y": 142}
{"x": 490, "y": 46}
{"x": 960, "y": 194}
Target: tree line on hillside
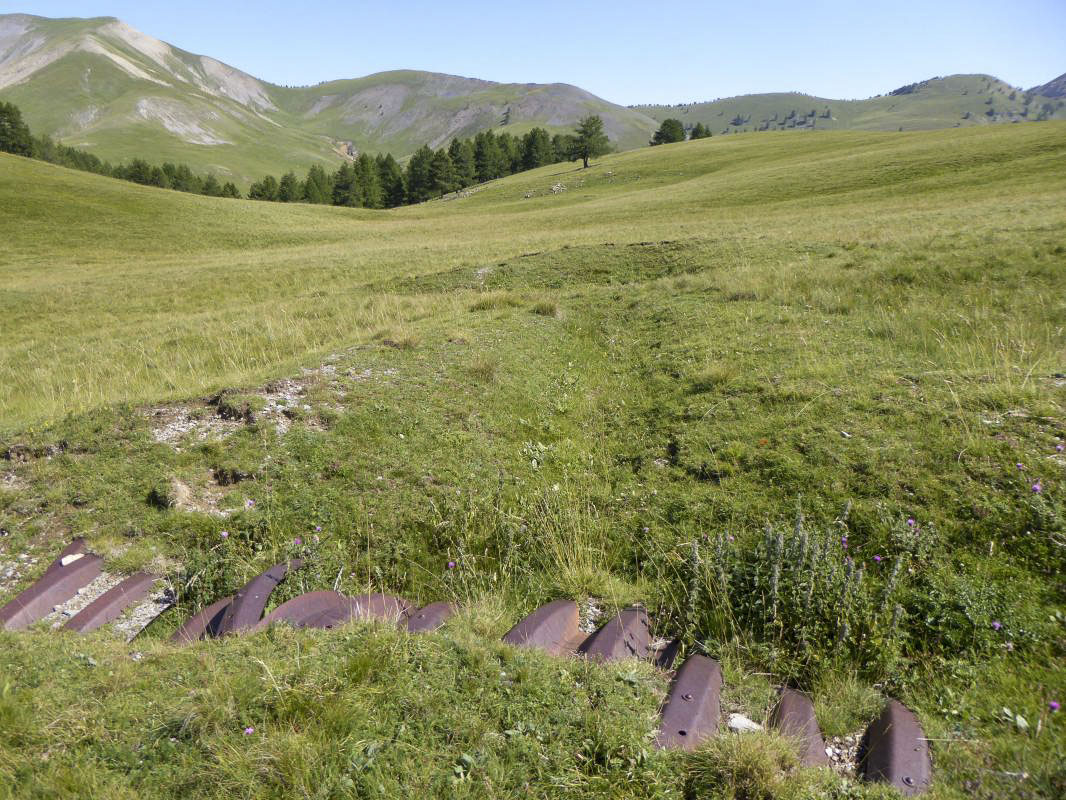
{"x": 365, "y": 182}
{"x": 380, "y": 182}
{"x": 16, "y": 138}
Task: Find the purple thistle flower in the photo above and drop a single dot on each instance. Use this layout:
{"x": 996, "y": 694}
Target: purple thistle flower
{"x": 297, "y": 541}
{"x": 249, "y": 731}
{"x": 910, "y": 522}
{"x": 997, "y": 625}
{"x": 646, "y": 529}
{"x": 249, "y": 503}
{"x": 1038, "y": 487}
{"x": 731, "y": 538}
{"x": 451, "y": 565}
{"x": 1020, "y": 465}
{"x": 877, "y": 559}
{"x": 224, "y": 534}
{"x": 1059, "y": 448}
{"x": 1053, "y": 706}
{"x": 318, "y": 529}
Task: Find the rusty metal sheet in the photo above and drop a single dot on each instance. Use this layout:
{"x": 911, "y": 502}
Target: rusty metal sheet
{"x": 248, "y": 604}
{"x": 57, "y": 585}
{"x": 205, "y": 623}
{"x": 665, "y": 658}
{"x": 553, "y": 628}
{"x": 895, "y": 751}
{"x": 794, "y": 716}
{"x": 429, "y": 618}
{"x": 298, "y": 610}
{"x": 626, "y": 635}
{"x": 693, "y": 707}
{"x": 110, "y": 605}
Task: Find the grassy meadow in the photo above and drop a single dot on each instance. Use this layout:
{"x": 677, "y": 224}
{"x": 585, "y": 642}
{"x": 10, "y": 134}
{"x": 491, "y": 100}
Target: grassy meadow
{"x": 801, "y": 396}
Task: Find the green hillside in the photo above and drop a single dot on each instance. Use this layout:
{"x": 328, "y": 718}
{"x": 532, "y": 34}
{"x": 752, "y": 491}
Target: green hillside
{"x": 100, "y": 85}
{"x": 624, "y": 384}
{"x": 951, "y": 102}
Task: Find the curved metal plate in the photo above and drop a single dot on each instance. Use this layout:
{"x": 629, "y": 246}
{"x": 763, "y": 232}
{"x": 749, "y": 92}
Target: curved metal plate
{"x": 429, "y": 618}
{"x": 110, "y": 605}
{"x": 57, "y": 585}
{"x": 248, "y": 604}
{"x": 895, "y": 751}
{"x": 794, "y": 716}
{"x": 627, "y": 635}
{"x": 206, "y": 623}
{"x": 304, "y": 607}
{"x": 553, "y": 628}
{"x": 693, "y": 707}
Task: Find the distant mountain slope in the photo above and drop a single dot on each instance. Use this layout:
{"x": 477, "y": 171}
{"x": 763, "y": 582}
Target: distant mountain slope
{"x": 1053, "y": 88}
{"x": 104, "y": 86}
{"x": 954, "y": 101}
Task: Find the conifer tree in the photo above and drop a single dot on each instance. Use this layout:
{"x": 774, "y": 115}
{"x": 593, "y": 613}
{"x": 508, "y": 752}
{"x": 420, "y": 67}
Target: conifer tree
{"x": 669, "y": 132}
{"x": 391, "y": 177}
{"x": 537, "y": 149}
{"x": 316, "y": 187}
{"x": 367, "y": 182}
{"x": 488, "y": 158}
{"x": 14, "y": 133}
{"x": 589, "y": 139}
{"x": 419, "y": 181}
{"x": 462, "y": 154}
{"x": 442, "y": 173}
{"x": 266, "y": 189}
{"x": 211, "y": 187}
{"x": 700, "y": 131}
{"x": 230, "y": 190}
{"x": 344, "y": 186}
{"x": 290, "y": 190}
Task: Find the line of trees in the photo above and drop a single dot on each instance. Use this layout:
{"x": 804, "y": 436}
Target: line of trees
{"x": 673, "y": 130}
{"x": 367, "y": 182}
{"x": 380, "y": 182}
{"x": 16, "y": 138}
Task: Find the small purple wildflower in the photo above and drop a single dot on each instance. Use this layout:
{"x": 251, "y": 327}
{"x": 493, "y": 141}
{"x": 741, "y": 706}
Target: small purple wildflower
{"x": 224, "y": 534}
{"x": 1038, "y": 487}
{"x": 997, "y": 625}
{"x": 1020, "y": 465}
{"x": 731, "y": 538}
{"x": 1053, "y": 706}
{"x": 910, "y": 522}
{"x": 318, "y": 529}
{"x": 646, "y": 529}
{"x": 297, "y": 541}
{"x": 877, "y": 559}
{"x": 249, "y": 731}
{"x": 249, "y": 503}
{"x": 1059, "y": 448}
{"x": 451, "y": 565}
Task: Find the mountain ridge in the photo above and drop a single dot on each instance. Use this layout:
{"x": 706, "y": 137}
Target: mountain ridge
{"x": 104, "y": 86}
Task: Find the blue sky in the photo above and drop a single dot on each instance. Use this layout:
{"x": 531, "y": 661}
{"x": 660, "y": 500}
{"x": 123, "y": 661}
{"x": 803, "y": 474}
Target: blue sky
{"x": 627, "y": 52}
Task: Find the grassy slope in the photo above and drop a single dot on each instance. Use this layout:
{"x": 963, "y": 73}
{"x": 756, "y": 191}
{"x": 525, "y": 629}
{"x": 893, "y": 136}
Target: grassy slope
{"x": 938, "y": 103}
{"x": 710, "y": 317}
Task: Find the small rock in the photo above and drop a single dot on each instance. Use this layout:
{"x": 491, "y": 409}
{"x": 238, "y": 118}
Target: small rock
{"x": 829, "y": 752}
{"x": 740, "y": 724}
{"x": 66, "y": 561}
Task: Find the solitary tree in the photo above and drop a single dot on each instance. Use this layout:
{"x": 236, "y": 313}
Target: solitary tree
{"x": 589, "y": 139}
{"x": 670, "y": 131}
{"x": 14, "y": 133}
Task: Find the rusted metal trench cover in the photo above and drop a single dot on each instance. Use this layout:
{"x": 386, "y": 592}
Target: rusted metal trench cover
{"x": 384, "y": 607}
{"x": 429, "y": 618}
{"x": 794, "y": 716}
{"x": 553, "y": 628}
{"x": 206, "y": 623}
{"x": 693, "y": 707}
{"x": 896, "y": 752}
{"x": 58, "y": 584}
{"x": 626, "y": 635}
{"x": 110, "y": 605}
{"x": 248, "y": 604}
{"x": 307, "y": 606}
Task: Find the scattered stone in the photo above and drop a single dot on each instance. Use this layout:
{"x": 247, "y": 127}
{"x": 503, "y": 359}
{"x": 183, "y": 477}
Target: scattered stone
{"x": 66, "y": 561}
{"x": 738, "y": 723}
